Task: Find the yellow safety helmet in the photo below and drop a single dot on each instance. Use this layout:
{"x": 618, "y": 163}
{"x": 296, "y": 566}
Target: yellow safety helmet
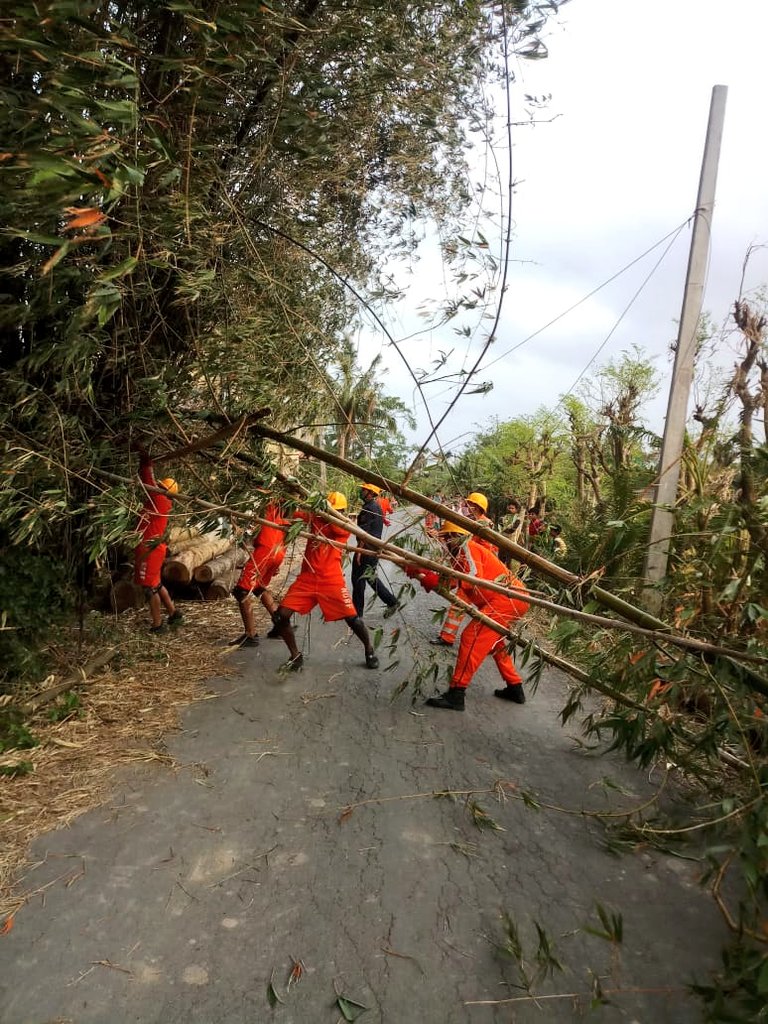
{"x": 370, "y": 487}
{"x": 448, "y": 527}
{"x": 170, "y": 485}
{"x": 478, "y": 499}
{"x": 337, "y": 501}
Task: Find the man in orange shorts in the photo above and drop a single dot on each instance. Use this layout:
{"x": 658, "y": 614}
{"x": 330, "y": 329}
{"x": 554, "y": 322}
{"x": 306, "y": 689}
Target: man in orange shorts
{"x": 262, "y": 565}
{"x": 151, "y": 551}
{"x": 321, "y": 582}
{"x": 478, "y": 640}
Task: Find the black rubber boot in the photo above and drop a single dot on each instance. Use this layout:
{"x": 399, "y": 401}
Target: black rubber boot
{"x": 514, "y": 693}
{"x": 439, "y": 642}
{"x": 371, "y": 661}
{"x": 451, "y": 700}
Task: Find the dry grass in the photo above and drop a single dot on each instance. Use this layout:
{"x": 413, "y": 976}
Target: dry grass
{"x": 123, "y": 715}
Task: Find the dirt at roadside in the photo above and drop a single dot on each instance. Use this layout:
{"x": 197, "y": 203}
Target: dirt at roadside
{"x": 118, "y": 717}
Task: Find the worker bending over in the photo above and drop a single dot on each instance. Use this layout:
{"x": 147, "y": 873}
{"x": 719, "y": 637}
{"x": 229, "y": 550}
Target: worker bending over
{"x": 478, "y": 640}
{"x": 263, "y": 563}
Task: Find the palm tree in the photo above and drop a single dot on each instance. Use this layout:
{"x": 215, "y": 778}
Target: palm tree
{"x": 359, "y": 402}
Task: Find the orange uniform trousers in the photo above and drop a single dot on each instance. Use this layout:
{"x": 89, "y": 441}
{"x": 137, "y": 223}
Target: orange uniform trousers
{"x": 478, "y": 641}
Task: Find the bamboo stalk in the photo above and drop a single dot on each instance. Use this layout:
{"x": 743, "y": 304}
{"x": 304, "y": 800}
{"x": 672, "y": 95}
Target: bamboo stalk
{"x": 45, "y": 696}
{"x": 664, "y": 635}
{"x": 244, "y": 423}
{"x": 522, "y": 554}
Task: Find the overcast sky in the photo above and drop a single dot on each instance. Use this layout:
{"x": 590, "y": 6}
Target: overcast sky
{"x": 613, "y": 173}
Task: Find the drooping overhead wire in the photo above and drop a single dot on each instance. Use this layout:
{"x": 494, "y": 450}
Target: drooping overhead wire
{"x": 671, "y": 234}
{"x": 623, "y": 313}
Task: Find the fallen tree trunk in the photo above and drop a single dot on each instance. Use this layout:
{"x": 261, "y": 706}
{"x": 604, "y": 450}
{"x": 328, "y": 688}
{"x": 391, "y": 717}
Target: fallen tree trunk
{"x": 219, "y": 566}
{"x": 179, "y": 569}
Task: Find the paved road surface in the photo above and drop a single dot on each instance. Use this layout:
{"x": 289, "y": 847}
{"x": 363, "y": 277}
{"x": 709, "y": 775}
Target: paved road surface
{"x": 202, "y": 884}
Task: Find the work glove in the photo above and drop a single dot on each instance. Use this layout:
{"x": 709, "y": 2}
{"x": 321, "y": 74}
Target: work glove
{"x": 429, "y": 580}
{"x": 412, "y": 571}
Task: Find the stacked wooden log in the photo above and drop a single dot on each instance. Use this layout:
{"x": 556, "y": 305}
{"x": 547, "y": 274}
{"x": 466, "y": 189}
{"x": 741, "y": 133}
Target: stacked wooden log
{"x": 180, "y": 566}
{"x": 221, "y": 573}
{"x": 205, "y": 562}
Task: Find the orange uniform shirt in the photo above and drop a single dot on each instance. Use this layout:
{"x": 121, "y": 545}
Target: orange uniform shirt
{"x": 154, "y": 515}
{"x": 475, "y": 559}
{"x": 270, "y": 538}
{"x": 321, "y": 559}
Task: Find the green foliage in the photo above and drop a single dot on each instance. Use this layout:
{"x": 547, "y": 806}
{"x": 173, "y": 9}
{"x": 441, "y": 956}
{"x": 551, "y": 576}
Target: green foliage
{"x": 67, "y": 705}
{"x": 611, "y": 926}
{"x": 14, "y": 732}
{"x": 522, "y": 458}
{"x": 669, "y": 707}
{"x": 13, "y": 771}
{"x": 35, "y": 594}
{"x": 513, "y": 947}
{"x": 189, "y": 191}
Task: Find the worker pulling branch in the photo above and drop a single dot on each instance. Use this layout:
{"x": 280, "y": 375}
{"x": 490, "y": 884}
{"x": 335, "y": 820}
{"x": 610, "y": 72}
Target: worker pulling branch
{"x": 477, "y": 508}
{"x": 263, "y": 564}
{"x": 151, "y": 550}
{"x": 321, "y": 582}
{"x": 477, "y": 640}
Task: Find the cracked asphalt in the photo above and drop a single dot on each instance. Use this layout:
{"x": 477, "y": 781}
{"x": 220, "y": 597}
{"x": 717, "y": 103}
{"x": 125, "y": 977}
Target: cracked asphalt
{"x": 301, "y": 828}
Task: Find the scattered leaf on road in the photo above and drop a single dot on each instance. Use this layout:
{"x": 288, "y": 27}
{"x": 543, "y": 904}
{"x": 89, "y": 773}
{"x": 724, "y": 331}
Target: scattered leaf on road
{"x": 350, "y": 1010}
{"x": 272, "y": 997}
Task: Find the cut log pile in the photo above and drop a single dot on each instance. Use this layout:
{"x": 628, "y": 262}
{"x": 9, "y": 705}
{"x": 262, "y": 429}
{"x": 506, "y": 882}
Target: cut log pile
{"x": 207, "y": 563}
{"x": 179, "y": 568}
{"x": 226, "y": 576}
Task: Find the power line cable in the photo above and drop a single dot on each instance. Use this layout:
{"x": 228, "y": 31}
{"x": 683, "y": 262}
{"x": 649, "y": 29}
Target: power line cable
{"x": 624, "y": 312}
{"x": 675, "y": 231}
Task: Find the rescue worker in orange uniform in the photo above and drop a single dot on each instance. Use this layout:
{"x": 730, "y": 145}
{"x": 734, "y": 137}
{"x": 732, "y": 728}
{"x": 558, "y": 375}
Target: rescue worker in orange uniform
{"x": 387, "y": 508}
{"x": 477, "y": 507}
{"x": 151, "y": 550}
{"x": 321, "y": 582}
{"x": 478, "y": 640}
{"x": 262, "y": 565}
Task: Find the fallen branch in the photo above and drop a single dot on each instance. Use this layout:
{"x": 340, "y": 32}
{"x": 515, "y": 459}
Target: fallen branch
{"x": 245, "y": 422}
{"x": 78, "y": 679}
{"x": 383, "y": 549}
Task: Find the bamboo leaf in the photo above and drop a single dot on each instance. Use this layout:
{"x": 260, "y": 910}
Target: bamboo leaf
{"x": 349, "y": 1009}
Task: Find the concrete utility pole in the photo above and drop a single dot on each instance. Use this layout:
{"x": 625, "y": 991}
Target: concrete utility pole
{"x": 663, "y": 517}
